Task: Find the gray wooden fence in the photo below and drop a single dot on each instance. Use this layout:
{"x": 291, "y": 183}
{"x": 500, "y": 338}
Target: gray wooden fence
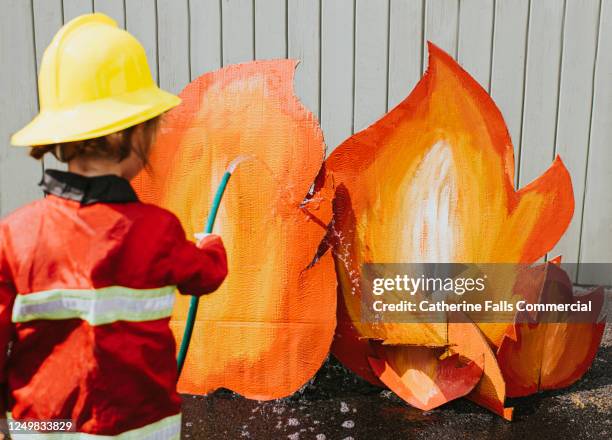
{"x": 547, "y": 64}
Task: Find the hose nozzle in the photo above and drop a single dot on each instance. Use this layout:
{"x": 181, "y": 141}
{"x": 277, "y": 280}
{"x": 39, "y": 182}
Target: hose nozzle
{"x": 237, "y": 161}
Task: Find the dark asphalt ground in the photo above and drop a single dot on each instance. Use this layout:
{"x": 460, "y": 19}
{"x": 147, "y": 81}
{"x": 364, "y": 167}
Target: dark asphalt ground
{"x": 338, "y": 405}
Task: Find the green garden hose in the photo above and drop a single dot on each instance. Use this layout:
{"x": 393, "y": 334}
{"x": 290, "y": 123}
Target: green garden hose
{"x": 193, "y": 304}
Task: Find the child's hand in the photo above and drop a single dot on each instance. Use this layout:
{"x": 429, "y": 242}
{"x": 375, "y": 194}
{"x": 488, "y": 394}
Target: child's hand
{"x": 205, "y": 238}
{"x": 198, "y": 236}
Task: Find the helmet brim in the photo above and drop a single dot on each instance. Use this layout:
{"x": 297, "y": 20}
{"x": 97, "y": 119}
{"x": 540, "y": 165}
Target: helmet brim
{"x": 95, "y": 118}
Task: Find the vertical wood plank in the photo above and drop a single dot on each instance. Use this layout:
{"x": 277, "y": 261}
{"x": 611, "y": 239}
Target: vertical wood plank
{"x": 19, "y": 174}
{"x": 303, "y": 35}
{"x": 405, "y": 48}
{"x": 113, "y": 8}
{"x": 47, "y": 21}
{"x": 238, "y": 31}
{"x": 74, "y": 8}
{"x": 441, "y": 20}
{"x": 541, "y": 89}
{"x": 337, "y": 56}
{"x": 270, "y": 29}
{"x": 371, "y": 61}
{"x": 475, "y": 39}
{"x": 173, "y": 44}
{"x": 508, "y": 66}
{"x": 596, "y": 240}
{"x": 141, "y": 21}
{"x": 205, "y": 37}
{"x": 573, "y": 123}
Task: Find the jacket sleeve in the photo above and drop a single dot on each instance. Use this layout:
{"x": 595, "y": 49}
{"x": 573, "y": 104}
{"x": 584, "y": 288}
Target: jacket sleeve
{"x": 7, "y": 298}
{"x": 196, "y": 269}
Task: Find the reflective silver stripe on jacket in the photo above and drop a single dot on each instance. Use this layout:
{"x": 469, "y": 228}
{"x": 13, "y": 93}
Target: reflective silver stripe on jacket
{"x": 96, "y": 306}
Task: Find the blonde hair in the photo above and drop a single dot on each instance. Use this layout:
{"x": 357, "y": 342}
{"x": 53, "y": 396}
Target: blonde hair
{"x": 115, "y": 146}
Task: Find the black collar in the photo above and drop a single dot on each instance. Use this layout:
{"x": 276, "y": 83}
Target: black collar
{"x": 87, "y": 190}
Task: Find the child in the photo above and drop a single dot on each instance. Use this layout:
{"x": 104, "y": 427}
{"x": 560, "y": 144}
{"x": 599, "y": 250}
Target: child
{"x": 88, "y": 274}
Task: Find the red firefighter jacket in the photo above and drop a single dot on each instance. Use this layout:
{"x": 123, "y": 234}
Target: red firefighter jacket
{"x": 87, "y": 284}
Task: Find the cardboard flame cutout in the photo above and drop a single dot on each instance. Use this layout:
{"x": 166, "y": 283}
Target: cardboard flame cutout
{"x": 269, "y": 327}
{"x": 431, "y": 181}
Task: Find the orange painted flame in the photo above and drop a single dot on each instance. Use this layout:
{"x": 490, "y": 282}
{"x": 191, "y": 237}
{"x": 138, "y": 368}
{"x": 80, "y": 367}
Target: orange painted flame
{"x": 432, "y": 181}
{"x": 542, "y": 351}
{"x": 467, "y": 340}
{"x": 269, "y": 327}
{"x": 424, "y": 380}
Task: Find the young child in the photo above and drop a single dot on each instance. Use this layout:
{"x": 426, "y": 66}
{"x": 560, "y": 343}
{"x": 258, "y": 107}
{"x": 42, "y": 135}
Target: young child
{"x": 88, "y": 274}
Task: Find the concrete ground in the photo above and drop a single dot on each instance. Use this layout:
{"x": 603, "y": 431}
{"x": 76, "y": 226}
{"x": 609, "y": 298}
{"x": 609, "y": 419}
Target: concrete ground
{"x": 338, "y": 405}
